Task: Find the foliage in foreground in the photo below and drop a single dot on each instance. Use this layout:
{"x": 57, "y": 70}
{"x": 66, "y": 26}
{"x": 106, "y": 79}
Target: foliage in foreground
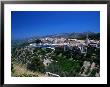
{"x": 69, "y": 63}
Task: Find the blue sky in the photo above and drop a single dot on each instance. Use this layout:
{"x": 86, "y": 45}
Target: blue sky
{"x": 26, "y": 24}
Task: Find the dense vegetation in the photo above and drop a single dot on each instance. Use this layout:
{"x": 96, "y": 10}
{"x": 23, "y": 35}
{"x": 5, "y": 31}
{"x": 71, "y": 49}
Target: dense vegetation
{"x": 66, "y": 63}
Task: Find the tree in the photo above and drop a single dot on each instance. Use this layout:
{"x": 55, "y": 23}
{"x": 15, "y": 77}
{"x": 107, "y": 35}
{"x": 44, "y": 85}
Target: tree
{"x": 38, "y": 41}
{"x": 36, "y": 65}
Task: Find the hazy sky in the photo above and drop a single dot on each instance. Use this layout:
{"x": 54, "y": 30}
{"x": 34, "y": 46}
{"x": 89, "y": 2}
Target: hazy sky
{"x": 26, "y": 24}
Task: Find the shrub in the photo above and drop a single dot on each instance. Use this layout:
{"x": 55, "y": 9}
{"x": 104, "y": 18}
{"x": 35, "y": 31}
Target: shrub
{"x": 12, "y": 68}
{"x": 36, "y": 65}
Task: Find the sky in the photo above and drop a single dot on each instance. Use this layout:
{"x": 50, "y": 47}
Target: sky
{"x": 25, "y": 24}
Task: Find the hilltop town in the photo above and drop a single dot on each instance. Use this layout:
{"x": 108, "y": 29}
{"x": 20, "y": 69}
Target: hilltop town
{"x": 51, "y": 43}
{"x": 59, "y": 56}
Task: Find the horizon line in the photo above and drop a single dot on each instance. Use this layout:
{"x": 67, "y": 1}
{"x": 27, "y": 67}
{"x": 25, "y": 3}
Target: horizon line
{"x": 39, "y": 36}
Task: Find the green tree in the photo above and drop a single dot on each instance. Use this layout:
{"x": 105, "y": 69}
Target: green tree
{"x": 36, "y": 65}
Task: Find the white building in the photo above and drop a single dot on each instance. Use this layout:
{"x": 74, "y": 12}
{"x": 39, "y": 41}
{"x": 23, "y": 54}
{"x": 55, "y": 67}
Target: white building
{"x": 32, "y": 44}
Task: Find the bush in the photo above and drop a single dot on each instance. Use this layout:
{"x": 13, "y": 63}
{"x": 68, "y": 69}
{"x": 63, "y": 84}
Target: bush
{"x": 93, "y": 73}
{"x": 12, "y": 68}
{"x": 36, "y": 65}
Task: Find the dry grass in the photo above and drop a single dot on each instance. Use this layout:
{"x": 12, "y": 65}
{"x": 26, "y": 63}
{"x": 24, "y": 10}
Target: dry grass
{"x": 21, "y": 71}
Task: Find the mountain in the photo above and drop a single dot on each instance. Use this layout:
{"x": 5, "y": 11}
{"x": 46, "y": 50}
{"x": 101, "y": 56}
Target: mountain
{"x": 91, "y": 35}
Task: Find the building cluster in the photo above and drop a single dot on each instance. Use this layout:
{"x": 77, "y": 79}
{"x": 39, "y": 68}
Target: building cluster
{"x": 51, "y": 43}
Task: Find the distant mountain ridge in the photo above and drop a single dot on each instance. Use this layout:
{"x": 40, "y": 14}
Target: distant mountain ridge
{"x": 92, "y": 35}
